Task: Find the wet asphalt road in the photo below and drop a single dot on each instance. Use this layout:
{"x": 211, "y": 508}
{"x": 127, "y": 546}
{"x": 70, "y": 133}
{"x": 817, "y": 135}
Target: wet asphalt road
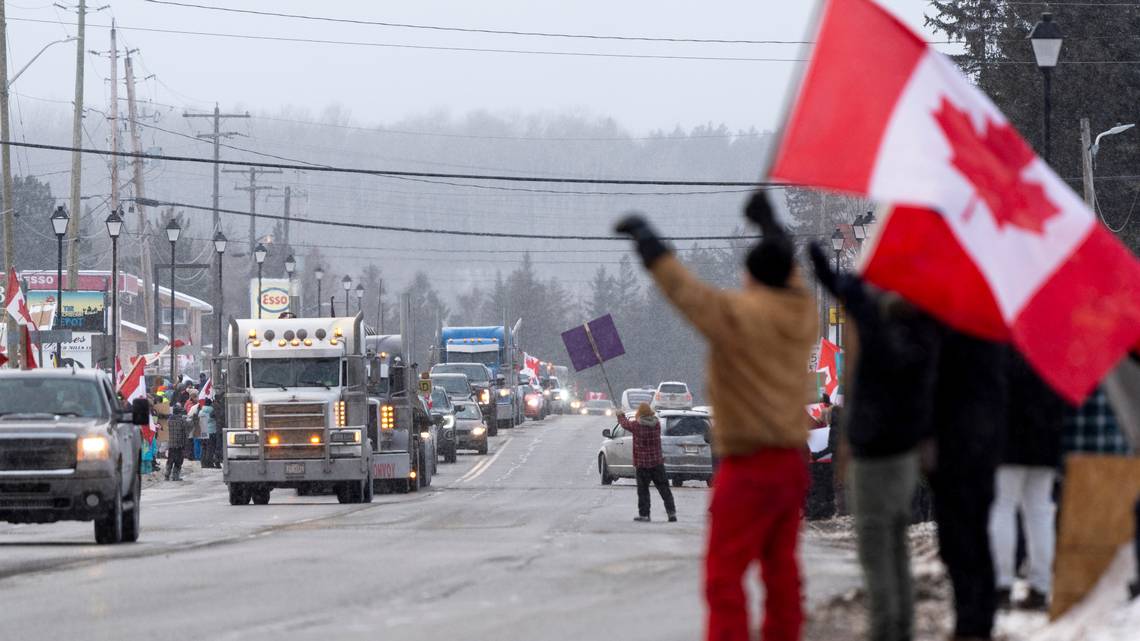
{"x": 523, "y": 543}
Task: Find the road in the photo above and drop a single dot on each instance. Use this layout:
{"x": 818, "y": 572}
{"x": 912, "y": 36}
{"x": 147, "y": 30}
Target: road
{"x": 521, "y": 544}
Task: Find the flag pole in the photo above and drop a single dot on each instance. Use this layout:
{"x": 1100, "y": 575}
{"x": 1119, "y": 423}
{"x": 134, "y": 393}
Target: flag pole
{"x": 602, "y": 365}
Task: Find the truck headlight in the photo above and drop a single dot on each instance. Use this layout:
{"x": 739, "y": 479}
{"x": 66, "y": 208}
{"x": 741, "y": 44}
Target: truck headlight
{"x": 93, "y": 448}
{"x": 504, "y": 392}
{"x": 251, "y": 422}
{"x": 484, "y": 396}
{"x": 345, "y": 436}
{"x": 448, "y": 422}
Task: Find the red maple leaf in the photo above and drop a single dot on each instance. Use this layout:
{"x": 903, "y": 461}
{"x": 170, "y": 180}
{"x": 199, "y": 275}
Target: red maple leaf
{"x": 993, "y": 165}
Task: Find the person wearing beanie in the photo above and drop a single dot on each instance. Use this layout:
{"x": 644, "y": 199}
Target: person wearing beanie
{"x": 760, "y": 338}
{"x": 648, "y": 461}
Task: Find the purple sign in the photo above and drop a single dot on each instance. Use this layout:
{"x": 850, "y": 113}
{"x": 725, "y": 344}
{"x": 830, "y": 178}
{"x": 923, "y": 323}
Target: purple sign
{"x": 605, "y": 336}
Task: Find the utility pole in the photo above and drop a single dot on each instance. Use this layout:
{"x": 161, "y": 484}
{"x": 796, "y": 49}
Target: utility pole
{"x": 114, "y": 127}
{"x": 13, "y": 335}
{"x": 1086, "y": 163}
{"x": 217, "y": 136}
{"x": 288, "y": 197}
{"x": 253, "y": 189}
{"x": 77, "y": 146}
{"x": 140, "y": 194}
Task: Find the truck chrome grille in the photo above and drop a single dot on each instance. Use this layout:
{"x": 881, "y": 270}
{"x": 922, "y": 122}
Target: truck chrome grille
{"x": 293, "y": 415}
{"x": 298, "y": 452}
{"x": 22, "y": 454}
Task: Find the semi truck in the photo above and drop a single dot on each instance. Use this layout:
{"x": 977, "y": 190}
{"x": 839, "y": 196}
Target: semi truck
{"x": 399, "y": 424}
{"x": 494, "y": 347}
{"x": 296, "y": 409}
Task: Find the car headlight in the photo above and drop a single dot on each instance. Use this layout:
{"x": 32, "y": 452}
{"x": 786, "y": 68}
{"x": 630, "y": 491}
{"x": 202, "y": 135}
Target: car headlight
{"x": 448, "y": 422}
{"x": 93, "y": 448}
{"x": 484, "y": 396}
{"x": 575, "y": 404}
{"x": 532, "y": 401}
{"x": 504, "y": 392}
{"x": 546, "y": 393}
{"x": 609, "y": 412}
{"x": 478, "y": 431}
{"x": 425, "y": 435}
{"x": 585, "y": 411}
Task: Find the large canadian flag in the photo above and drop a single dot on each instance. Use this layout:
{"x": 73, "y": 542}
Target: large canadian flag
{"x": 134, "y": 381}
{"x": 983, "y": 234}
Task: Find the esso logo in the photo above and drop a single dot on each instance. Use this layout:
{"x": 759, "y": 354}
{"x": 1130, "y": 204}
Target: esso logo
{"x": 275, "y": 300}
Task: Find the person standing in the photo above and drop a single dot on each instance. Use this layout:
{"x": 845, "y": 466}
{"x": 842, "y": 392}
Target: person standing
{"x": 760, "y": 338}
{"x": 970, "y": 407}
{"x": 648, "y": 461}
{"x": 176, "y": 448}
{"x": 888, "y": 414}
{"x": 210, "y": 426}
{"x": 1025, "y": 483}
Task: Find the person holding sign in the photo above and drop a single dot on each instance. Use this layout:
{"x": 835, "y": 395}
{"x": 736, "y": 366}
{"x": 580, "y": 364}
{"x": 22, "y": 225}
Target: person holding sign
{"x": 760, "y": 336}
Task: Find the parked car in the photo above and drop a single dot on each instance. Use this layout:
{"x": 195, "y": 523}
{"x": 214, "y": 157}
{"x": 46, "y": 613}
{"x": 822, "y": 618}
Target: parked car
{"x": 70, "y": 452}
{"x": 635, "y": 396}
{"x": 470, "y": 429}
{"x": 443, "y": 415}
{"x": 684, "y": 443}
{"x": 672, "y": 395}
{"x": 598, "y": 408}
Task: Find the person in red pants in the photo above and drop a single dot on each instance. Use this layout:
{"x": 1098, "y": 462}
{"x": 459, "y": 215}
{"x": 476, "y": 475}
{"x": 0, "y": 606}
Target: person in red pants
{"x": 760, "y": 337}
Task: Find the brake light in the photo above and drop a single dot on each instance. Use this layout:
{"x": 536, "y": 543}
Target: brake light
{"x": 657, "y": 396}
{"x": 688, "y": 397}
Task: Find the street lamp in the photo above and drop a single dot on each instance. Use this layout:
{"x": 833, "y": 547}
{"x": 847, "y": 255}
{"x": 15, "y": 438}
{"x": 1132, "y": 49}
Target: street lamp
{"x": 290, "y": 267}
{"x": 837, "y": 241}
{"x": 59, "y": 221}
{"x": 259, "y": 253}
{"x": 859, "y": 229}
{"x": 172, "y": 232}
{"x": 1118, "y": 129}
{"x": 346, "y": 282}
{"x": 360, "y": 297}
{"x": 320, "y": 274}
{"x": 219, "y": 248}
{"x": 1046, "y": 39}
{"x": 114, "y": 228}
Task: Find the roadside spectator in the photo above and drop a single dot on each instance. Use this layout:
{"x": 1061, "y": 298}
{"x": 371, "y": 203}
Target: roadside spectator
{"x": 760, "y": 338}
{"x": 648, "y": 461}
{"x": 969, "y": 415}
{"x": 176, "y": 449}
{"x": 1092, "y": 428}
{"x": 888, "y": 414}
{"x": 1025, "y": 483}
{"x": 206, "y": 420}
{"x": 162, "y": 417}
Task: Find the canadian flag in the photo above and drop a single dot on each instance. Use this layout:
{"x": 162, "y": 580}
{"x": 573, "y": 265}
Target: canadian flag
{"x": 530, "y": 368}
{"x": 984, "y": 235}
{"x": 829, "y": 367}
{"x": 134, "y": 381}
{"x": 17, "y": 307}
{"x": 207, "y": 393}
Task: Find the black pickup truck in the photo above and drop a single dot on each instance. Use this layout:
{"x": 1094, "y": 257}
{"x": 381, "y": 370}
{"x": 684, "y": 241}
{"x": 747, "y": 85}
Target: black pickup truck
{"x": 68, "y": 452}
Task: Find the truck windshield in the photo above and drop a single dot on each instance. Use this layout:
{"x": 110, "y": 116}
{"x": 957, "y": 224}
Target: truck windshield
{"x": 486, "y": 358}
{"x": 475, "y": 373}
{"x": 296, "y": 372}
{"x": 52, "y": 395}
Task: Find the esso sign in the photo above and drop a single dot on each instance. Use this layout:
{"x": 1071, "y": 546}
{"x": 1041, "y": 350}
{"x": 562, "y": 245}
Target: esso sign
{"x": 274, "y": 300}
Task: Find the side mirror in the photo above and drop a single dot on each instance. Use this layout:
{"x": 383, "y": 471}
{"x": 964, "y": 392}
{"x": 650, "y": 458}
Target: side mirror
{"x": 607, "y": 433}
{"x": 140, "y": 411}
{"x": 437, "y": 419}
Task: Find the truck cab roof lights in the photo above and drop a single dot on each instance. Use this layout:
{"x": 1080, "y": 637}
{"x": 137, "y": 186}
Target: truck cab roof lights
{"x": 308, "y": 342}
{"x": 253, "y": 333}
{"x": 281, "y": 343}
{"x": 257, "y": 343}
{"x": 337, "y": 332}
{"x": 294, "y": 342}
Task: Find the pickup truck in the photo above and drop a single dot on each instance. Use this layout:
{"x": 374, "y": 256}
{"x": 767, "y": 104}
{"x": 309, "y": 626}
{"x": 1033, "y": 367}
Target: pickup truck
{"x": 69, "y": 452}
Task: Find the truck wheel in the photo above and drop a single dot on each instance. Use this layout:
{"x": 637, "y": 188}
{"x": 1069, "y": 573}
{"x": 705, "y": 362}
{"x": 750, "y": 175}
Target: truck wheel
{"x": 109, "y": 527}
{"x": 238, "y": 494}
{"x": 604, "y": 470}
{"x": 131, "y": 517}
{"x": 369, "y": 489}
{"x": 261, "y": 496}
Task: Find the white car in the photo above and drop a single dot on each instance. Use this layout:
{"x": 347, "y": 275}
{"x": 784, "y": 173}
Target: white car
{"x": 684, "y": 444}
{"x": 672, "y": 395}
{"x": 635, "y": 396}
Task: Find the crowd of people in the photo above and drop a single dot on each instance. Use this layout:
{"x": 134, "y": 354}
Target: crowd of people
{"x": 922, "y": 401}
{"x": 187, "y": 427}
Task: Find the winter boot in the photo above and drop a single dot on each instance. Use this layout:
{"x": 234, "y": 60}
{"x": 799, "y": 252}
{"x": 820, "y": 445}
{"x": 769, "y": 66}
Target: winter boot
{"x": 1004, "y": 598}
{"x": 177, "y": 474}
{"x": 1034, "y": 601}
{"x": 672, "y": 517}
{"x": 641, "y": 519}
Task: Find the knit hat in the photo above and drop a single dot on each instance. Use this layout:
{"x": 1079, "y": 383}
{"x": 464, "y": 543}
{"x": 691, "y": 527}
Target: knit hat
{"x": 770, "y": 262}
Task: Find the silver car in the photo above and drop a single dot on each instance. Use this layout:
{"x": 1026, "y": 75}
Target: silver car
{"x": 684, "y": 442}
{"x": 672, "y": 395}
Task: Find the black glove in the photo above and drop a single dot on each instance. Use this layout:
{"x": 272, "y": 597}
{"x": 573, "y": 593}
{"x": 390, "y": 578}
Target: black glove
{"x": 827, "y": 277}
{"x": 759, "y": 211}
{"x": 649, "y": 245}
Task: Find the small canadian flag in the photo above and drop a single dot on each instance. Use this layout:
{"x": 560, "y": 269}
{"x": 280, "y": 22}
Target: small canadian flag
{"x": 983, "y": 234}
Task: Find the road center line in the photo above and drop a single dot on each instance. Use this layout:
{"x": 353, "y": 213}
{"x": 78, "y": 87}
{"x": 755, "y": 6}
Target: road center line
{"x": 478, "y": 470}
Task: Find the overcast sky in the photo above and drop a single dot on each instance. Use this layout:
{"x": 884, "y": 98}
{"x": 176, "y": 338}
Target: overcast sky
{"x": 384, "y": 84}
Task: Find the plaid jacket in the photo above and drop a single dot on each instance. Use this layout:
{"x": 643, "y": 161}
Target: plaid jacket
{"x": 646, "y": 442}
{"x": 1092, "y": 428}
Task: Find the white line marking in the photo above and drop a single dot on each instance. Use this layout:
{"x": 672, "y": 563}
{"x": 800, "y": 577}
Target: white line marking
{"x": 478, "y": 470}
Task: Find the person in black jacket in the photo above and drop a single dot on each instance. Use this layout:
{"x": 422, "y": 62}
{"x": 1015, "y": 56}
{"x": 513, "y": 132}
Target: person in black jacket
{"x": 1024, "y": 482}
{"x": 887, "y": 414}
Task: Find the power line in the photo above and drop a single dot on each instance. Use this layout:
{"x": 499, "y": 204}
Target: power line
{"x": 504, "y": 32}
{"x": 413, "y": 174}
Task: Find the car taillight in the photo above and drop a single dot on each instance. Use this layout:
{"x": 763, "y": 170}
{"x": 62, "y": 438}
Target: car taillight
{"x": 688, "y": 397}
{"x": 657, "y": 396}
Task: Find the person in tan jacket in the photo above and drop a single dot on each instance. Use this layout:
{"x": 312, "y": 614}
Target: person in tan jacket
{"x": 760, "y": 337}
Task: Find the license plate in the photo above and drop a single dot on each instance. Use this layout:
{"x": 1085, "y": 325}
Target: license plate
{"x": 692, "y": 449}
{"x": 294, "y": 468}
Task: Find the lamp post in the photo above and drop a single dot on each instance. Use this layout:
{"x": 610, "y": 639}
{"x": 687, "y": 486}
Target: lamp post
{"x": 837, "y": 240}
{"x": 1046, "y": 40}
{"x": 290, "y": 267}
{"x": 59, "y": 221}
{"x": 114, "y": 228}
{"x": 219, "y": 249}
{"x": 346, "y": 282}
{"x": 172, "y": 232}
{"x": 259, "y": 253}
{"x": 319, "y": 272}
{"x": 360, "y": 297}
